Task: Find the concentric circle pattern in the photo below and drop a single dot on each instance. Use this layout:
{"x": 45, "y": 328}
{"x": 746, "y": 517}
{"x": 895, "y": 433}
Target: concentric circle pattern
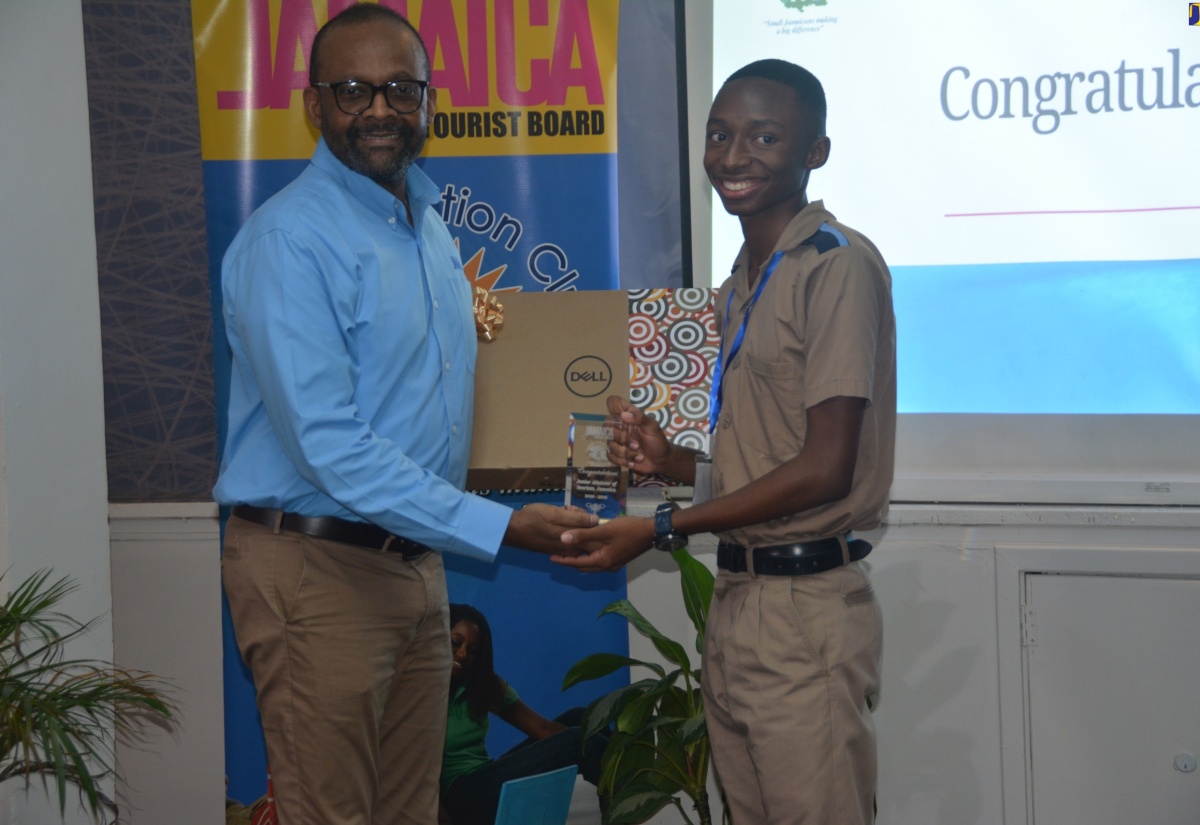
{"x": 673, "y": 368}
{"x": 692, "y": 406}
{"x": 673, "y": 341}
{"x": 696, "y": 440}
{"x": 653, "y": 350}
{"x": 642, "y": 330}
{"x": 694, "y": 301}
{"x": 639, "y": 373}
{"x": 640, "y": 396}
{"x": 687, "y": 334}
{"x": 697, "y": 369}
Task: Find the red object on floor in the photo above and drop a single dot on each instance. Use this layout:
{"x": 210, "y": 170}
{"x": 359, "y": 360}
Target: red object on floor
{"x": 264, "y": 811}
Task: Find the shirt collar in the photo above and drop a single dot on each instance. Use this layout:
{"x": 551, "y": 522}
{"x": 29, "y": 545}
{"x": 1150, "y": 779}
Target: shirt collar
{"x": 802, "y": 226}
{"x": 422, "y": 191}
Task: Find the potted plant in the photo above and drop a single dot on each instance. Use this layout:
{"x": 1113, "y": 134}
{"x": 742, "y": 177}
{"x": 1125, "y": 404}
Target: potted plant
{"x": 59, "y": 717}
{"x": 659, "y": 749}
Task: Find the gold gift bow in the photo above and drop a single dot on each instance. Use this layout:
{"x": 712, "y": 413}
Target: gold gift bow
{"x": 489, "y": 314}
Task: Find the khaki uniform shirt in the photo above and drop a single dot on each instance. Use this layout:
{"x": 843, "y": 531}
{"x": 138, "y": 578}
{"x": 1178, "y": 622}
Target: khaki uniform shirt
{"x": 823, "y": 327}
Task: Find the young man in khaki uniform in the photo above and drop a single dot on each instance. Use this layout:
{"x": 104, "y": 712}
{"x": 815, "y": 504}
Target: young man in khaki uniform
{"x": 803, "y": 412}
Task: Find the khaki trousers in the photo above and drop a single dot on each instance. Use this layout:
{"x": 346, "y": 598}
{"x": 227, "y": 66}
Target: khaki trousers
{"x": 350, "y": 652}
{"x": 789, "y": 662}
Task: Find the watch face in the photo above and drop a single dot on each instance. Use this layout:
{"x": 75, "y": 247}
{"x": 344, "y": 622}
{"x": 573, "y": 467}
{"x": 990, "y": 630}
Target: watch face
{"x": 665, "y": 537}
{"x": 662, "y": 519}
{"x": 671, "y": 542}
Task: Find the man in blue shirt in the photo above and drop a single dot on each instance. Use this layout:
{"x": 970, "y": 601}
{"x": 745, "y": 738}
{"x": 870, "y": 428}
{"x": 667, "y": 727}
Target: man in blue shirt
{"x": 350, "y": 414}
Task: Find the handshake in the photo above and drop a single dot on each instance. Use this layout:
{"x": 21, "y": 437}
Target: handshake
{"x": 575, "y": 538}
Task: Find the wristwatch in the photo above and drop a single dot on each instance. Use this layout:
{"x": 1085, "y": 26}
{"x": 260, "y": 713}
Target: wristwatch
{"x": 665, "y": 537}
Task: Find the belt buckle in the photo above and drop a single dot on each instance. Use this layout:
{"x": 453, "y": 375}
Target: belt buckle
{"x": 792, "y": 560}
{"x": 407, "y": 548}
{"x": 738, "y": 559}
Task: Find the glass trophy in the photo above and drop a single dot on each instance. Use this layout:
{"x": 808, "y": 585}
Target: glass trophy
{"x": 593, "y": 482}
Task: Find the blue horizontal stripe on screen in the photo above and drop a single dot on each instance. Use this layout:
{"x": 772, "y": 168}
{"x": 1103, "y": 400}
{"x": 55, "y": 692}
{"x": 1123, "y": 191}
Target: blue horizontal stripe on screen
{"x": 1074, "y": 337}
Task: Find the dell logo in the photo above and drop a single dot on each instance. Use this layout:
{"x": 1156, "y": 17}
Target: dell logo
{"x": 588, "y": 376}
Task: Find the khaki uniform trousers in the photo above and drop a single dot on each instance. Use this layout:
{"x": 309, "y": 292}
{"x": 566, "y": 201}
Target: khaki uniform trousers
{"x": 789, "y": 662}
{"x": 350, "y": 652}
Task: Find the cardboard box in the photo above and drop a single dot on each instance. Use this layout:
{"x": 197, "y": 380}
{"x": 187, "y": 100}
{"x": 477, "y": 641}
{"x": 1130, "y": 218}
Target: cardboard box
{"x": 558, "y": 353}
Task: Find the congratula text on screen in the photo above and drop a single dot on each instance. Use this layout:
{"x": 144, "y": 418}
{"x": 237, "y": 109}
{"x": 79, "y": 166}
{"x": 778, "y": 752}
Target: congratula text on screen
{"x": 1069, "y": 93}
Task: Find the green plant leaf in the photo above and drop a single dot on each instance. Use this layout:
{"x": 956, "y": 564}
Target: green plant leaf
{"x": 681, "y": 703}
{"x": 659, "y": 746}
{"x": 57, "y": 716}
{"x": 636, "y": 807}
{"x": 670, "y": 649}
{"x": 608, "y": 763}
{"x": 693, "y": 730}
{"x": 599, "y": 665}
{"x": 652, "y": 760}
{"x": 697, "y": 583}
{"x": 626, "y": 757}
{"x": 603, "y": 711}
{"x": 674, "y": 759}
{"x": 638, "y": 712}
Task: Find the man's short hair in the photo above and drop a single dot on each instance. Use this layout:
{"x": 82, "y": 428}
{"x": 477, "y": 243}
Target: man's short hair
{"x": 353, "y": 15}
{"x": 808, "y": 90}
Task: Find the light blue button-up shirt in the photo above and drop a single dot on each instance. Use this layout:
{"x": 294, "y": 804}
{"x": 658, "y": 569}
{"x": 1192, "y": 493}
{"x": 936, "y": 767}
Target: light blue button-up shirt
{"x": 354, "y": 362}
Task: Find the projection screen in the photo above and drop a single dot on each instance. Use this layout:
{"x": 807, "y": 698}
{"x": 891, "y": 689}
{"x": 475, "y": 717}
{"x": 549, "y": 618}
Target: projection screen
{"x": 1031, "y": 172}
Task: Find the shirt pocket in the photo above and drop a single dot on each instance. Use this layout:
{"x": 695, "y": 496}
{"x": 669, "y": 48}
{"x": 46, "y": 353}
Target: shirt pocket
{"x": 772, "y": 408}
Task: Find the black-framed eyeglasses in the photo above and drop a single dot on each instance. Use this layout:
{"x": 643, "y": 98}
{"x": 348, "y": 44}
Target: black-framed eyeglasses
{"x": 356, "y": 96}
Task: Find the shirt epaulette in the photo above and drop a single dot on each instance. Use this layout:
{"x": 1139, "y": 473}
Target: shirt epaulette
{"x": 826, "y": 238}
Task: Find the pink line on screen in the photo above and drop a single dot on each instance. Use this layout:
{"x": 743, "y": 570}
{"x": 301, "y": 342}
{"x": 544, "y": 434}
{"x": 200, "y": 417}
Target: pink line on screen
{"x": 1066, "y": 212}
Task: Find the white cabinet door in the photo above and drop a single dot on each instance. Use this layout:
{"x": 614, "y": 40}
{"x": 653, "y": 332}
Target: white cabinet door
{"x": 1113, "y": 681}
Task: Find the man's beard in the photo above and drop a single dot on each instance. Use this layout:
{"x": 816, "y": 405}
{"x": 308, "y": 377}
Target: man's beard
{"x": 381, "y": 167}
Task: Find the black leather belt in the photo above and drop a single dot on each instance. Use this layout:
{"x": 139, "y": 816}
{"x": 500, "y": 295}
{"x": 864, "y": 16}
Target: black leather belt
{"x": 799, "y": 559}
{"x": 333, "y": 529}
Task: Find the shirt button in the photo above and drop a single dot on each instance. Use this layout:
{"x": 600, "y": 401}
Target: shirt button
{"x": 391, "y": 220}
{"x": 447, "y": 366}
{"x": 455, "y": 429}
{"x": 435, "y": 304}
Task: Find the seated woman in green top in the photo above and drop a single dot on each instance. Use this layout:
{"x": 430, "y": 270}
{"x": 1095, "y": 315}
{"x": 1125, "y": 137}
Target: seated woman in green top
{"x": 471, "y": 780}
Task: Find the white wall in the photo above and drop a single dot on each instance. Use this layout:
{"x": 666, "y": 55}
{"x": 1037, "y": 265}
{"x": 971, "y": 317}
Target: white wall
{"x": 53, "y": 496}
{"x": 4, "y": 558}
{"x": 166, "y": 593}
{"x": 698, "y": 23}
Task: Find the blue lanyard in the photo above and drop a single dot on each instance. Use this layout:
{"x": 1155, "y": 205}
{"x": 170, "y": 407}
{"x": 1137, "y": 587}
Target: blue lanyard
{"x": 717, "y": 390}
